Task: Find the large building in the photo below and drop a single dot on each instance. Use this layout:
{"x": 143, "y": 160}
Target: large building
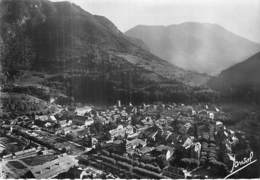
{"x": 39, "y": 167}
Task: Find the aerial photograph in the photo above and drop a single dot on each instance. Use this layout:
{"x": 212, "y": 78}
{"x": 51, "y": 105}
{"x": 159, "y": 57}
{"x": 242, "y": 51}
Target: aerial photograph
{"x": 129, "y": 89}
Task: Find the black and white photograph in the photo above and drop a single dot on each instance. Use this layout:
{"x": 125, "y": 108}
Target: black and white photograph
{"x": 129, "y": 89}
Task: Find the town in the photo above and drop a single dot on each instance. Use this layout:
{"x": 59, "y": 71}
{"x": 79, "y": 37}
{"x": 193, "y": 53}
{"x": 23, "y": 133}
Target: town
{"x": 122, "y": 141}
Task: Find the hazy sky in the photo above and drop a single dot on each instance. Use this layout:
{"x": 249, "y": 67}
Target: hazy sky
{"x": 239, "y": 16}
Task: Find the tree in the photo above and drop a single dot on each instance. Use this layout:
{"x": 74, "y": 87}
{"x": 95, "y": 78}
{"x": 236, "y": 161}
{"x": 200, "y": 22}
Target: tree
{"x": 16, "y": 48}
{"x": 190, "y": 162}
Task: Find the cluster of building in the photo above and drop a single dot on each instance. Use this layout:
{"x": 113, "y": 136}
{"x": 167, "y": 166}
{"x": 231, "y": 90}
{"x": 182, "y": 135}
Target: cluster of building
{"x": 143, "y": 141}
{"x": 31, "y": 163}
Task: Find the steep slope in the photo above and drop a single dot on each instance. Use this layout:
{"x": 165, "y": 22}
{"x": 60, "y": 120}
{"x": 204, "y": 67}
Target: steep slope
{"x": 63, "y": 32}
{"x": 84, "y": 55}
{"x": 206, "y": 48}
{"x": 240, "y": 81}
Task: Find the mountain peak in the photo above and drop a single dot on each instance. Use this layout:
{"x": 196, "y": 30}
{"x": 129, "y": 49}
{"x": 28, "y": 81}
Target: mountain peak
{"x": 202, "y": 47}
{"x": 86, "y": 54}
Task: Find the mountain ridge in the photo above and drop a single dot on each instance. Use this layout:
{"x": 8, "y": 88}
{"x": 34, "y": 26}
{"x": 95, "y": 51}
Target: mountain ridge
{"x": 202, "y": 47}
{"x": 241, "y": 81}
{"x": 85, "y": 55}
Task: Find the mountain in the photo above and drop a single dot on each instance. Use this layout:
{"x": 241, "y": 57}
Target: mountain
{"x": 59, "y": 48}
{"x": 241, "y": 81}
{"x": 201, "y": 47}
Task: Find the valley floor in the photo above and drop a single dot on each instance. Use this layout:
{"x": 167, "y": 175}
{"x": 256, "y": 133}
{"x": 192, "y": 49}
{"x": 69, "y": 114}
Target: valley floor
{"x": 142, "y": 141}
